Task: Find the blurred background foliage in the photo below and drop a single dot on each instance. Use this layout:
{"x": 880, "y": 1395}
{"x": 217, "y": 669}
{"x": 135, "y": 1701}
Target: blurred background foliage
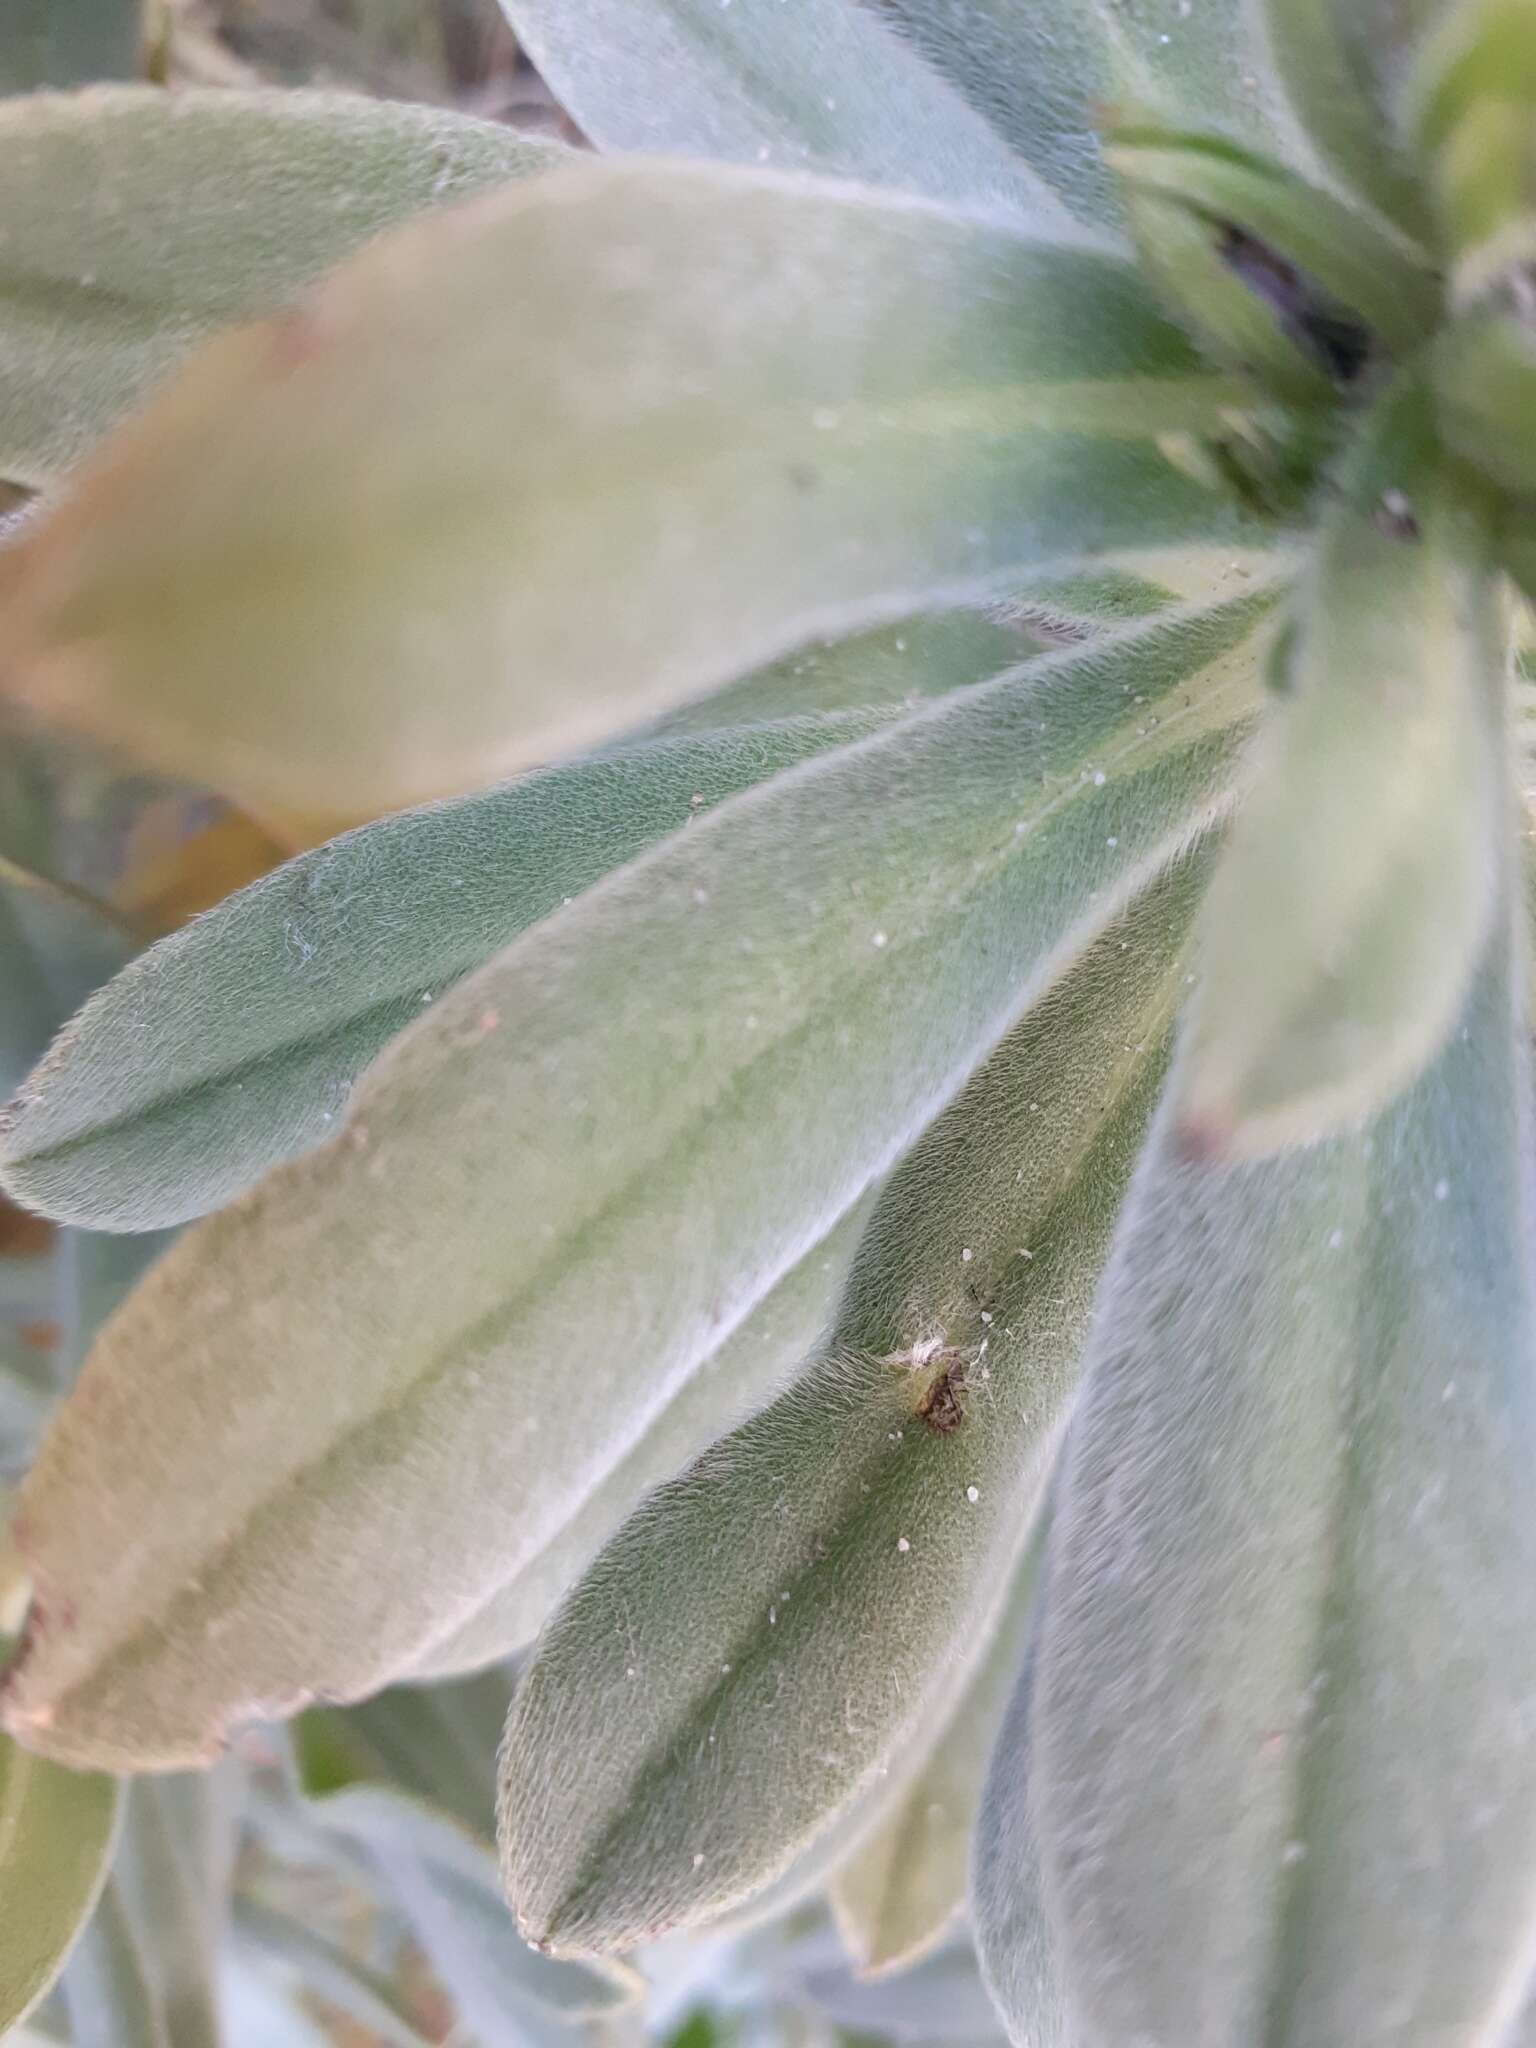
{"x": 456, "y": 53}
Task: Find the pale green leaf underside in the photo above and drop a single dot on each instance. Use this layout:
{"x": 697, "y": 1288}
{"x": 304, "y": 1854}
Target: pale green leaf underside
{"x": 1345, "y": 922}
{"x": 607, "y": 1146}
{"x": 1283, "y": 1763}
{"x": 922, "y": 656}
{"x": 749, "y": 409}
{"x": 845, "y": 1563}
{"x": 896, "y": 1897}
{"x": 133, "y": 222}
{"x": 737, "y": 1376}
{"x": 1015, "y": 1943}
{"x": 825, "y": 87}
{"x": 56, "y": 1834}
{"x": 235, "y": 1043}
{"x": 1042, "y": 72}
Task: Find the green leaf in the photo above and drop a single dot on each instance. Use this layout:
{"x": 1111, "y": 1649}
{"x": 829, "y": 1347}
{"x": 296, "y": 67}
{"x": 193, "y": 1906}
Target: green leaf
{"x": 756, "y": 1645}
{"x": 1484, "y": 368}
{"x": 610, "y": 1144}
{"x": 1015, "y": 1942}
{"x": 1341, "y": 63}
{"x": 1288, "y": 1640}
{"x": 737, "y": 1376}
{"x": 750, "y": 409}
{"x": 68, "y": 42}
{"x": 56, "y": 1834}
{"x": 1043, "y": 71}
{"x": 235, "y": 1043}
{"x": 926, "y": 655}
{"x": 444, "y": 1884}
{"x": 135, "y": 221}
{"x": 829, "y": 88}
{"x": 1470, "y": 102}
{"x": 1353, "y": 271}
{"x": 1346, "y": 920}
{"x": 698, "y": 2032}
{"x": 897, "y": 1896}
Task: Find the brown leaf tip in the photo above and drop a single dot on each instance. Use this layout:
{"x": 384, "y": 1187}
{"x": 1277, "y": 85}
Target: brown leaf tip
{"x": 1203, "y": 1140}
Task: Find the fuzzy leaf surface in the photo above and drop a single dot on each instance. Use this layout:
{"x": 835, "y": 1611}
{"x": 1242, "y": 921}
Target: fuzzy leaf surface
{"x": 235, "y": 1043}
{"x": 608, "y": 1144}
{"x": 1042, "y": 73}
{"x": 136, "y": 221}
{"x": 922, "y": 656}
{"x": 750, "y": 408}
{"x": 1282, "y": 1764}
{"x": 56, "y": 1834}
{"x": 897, "y": 1896}
{"x": 1015, "y": 1943}
{"x": 759, "y": 1642}
{"x": 1345, "y": 922}
{"x": 739, "y": 1375}
{"x": 828, "y": 87}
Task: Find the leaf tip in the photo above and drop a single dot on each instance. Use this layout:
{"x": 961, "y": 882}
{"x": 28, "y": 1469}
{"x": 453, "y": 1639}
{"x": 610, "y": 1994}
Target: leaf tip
{"x": 1204, "y": 1137}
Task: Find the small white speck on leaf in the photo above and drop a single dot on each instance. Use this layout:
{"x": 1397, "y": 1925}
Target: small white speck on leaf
{"x": 903, "y": 1545}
